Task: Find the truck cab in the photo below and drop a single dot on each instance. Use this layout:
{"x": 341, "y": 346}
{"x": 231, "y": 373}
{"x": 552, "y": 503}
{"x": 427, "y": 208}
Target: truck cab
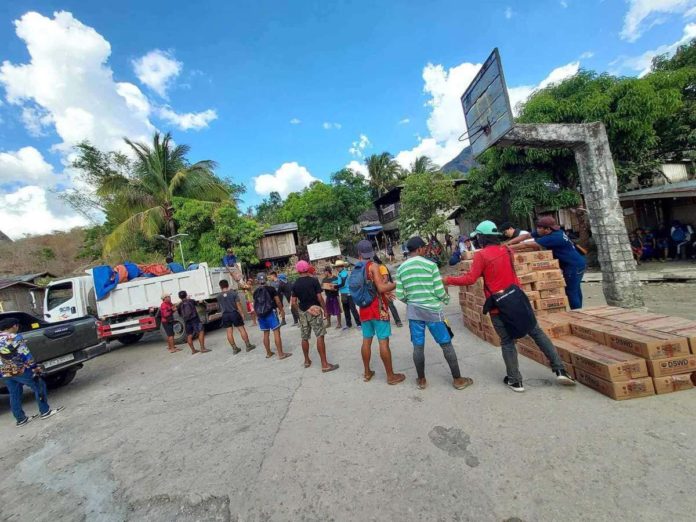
{"x": 70, "y": 299}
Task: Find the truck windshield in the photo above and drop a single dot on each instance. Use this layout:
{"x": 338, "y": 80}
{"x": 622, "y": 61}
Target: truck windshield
{"x": 59, "y": 294}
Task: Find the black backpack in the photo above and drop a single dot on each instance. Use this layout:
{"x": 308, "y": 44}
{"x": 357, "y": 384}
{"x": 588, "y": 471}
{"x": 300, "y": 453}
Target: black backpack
{"x": 263, "y": 302}
{"x": 187, "y": 310}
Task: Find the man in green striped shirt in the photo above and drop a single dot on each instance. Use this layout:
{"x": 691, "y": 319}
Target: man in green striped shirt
{"x": 419, "y": 285}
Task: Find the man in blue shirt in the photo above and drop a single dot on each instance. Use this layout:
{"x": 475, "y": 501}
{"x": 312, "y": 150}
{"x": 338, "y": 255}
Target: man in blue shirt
{"x": 229, "y": 260}
{"x": 549, "y": 236}
{"x": 174, "y": 266}
{"x": 346, "y": 300}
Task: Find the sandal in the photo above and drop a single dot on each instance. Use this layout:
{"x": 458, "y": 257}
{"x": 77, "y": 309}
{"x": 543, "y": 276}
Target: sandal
{"x": 398, "y": 377}
{"x": 307, "y": 364}
{"x": 284, "y": 356}
{"x": 331, "y": 368}
{"x": 269, "y": 355}
{"x": 368, "y": 378}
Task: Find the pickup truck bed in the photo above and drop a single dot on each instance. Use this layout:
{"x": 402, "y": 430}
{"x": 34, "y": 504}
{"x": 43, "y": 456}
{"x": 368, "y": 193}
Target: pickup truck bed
{"x": 62, "y": 347}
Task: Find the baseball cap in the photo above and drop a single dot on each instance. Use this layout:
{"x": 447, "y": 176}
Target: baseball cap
{"x": 261, "y": 277}
{"x": 486, "y": 228}
{"x": 365, "y": 249}
{"x": 415, "y": 243}
{"x": 283, "y": 278}
{"x": 547, "y": 222}
{"x": 302, "y": 267}
{"x": 165, "y": 295}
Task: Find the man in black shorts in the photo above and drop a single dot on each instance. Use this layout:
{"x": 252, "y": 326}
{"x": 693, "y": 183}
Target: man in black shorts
{"x": 192, "y": 322}
{"x": 232, "y": 316}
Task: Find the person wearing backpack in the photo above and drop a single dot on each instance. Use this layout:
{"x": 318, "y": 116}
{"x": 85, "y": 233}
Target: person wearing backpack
{"x": 308, "y": 298}
{"x": 192, "y": 322}
{"x": 371, "y": 291}
{"x": 419, "y": 285}
{"x": 346, "y": 300}
{"x": 266, "y": 302}
{"x": 494, "y": 262}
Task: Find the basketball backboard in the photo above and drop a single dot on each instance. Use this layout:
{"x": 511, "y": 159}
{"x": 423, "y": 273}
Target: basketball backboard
{"x": 487, "y": 106}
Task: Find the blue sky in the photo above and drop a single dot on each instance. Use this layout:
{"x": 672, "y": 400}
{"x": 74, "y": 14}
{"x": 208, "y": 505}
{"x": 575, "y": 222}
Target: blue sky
{"x": 281, "y": 93}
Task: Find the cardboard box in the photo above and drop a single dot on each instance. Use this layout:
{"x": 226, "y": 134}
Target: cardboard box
{"x": 532, "y": 295}
{"x": 565, "y": 349}
{"x": 486, "y": 320}
{"x": 549, "y": 275}
{"x": 648, "y": 344}
{"x": 538, "y": 356}
{"x": 548, "y": 285}
{"x": 554, "y": 292}
{"x": 609, "y": 366}
{"x": 600, "y": 311}
{"x": 689, "y": 334}
{"x": 522, "y": 268}
{"x": 548, "y": 264}
{"x": 526, "y": 287}
{"x": 554, "y": 329}
{"x": 472, "y": 315}
{"x": 493, "y": 339}
{"x": 672, "y": 366}
{"x": 673, "y": 383}
{"x": 591, "y": 331}
{"x": 619, "y": 391}
{"x": 526, "y": 279}
{"x": 531, "y": 257}
{"x": 632, "y": 317}
{"x": 553, "y": 302}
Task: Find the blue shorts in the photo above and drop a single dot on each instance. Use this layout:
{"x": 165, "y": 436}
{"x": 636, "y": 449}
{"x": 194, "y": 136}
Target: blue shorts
{"x": 382, "y": 329}
{"x": 437, "y": 329}
{"x": 269, "y": 322}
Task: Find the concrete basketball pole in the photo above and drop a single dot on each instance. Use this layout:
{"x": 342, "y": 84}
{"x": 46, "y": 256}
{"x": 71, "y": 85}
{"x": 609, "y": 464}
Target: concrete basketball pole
{"x": 598, "y": 180}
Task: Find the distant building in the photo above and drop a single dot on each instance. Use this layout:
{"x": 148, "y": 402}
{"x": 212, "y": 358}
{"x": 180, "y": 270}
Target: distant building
{"x": 279, "y": 242}
{"x": 22, "y": 293}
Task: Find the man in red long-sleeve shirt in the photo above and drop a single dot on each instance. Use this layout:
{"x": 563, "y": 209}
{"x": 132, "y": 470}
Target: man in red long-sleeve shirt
{"x": 494, "y": 263}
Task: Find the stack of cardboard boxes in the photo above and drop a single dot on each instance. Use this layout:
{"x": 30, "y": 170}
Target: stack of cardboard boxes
{"x": 540, "y": 278}
{"x": 621, "y": 353}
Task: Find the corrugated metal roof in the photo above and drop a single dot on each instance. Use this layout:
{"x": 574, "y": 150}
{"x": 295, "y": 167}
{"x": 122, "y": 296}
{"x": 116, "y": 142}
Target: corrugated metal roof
{"x": 280, "y": 229}
{"x": 29, "y": 278}
{"x": 6, "y": 283}
{"x": 682, "y": 189}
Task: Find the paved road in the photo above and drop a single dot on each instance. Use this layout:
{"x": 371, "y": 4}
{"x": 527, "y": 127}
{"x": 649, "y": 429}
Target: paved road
{"x": 152, "y": 436}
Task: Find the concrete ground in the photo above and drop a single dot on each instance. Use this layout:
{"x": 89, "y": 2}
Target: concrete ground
{"x": 151, "y": 436}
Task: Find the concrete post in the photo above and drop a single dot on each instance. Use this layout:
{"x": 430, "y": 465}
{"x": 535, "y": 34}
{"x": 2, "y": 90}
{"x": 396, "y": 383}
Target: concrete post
{"x": 599, "y": 186}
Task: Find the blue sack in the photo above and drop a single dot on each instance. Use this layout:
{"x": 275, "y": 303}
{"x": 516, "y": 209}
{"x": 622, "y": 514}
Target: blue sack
{"x": 133, "y": 270}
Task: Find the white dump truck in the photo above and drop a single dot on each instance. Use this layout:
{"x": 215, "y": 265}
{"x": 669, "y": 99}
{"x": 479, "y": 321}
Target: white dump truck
{"x": 126, "y": 313}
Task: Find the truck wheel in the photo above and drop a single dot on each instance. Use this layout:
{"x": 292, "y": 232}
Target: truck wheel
{"x": 179, "y": 331}
{"x": 60, "y": 379}
{"x": 130, "y": 338}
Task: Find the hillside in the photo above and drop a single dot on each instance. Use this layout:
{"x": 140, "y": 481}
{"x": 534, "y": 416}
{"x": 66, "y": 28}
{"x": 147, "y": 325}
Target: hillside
{"x": 463, "y": 162}
{"x": 56, "y": 253}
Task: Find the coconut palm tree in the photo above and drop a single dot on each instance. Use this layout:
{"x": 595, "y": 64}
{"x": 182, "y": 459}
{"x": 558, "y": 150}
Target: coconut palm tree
{"x": 161, "y": 173}
{"x": 384, "y": 172}
{"x": 423, "y": 165}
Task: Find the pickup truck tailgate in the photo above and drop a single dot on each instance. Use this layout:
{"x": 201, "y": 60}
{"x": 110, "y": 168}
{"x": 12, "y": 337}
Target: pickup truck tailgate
{"x": 62, "y": 338}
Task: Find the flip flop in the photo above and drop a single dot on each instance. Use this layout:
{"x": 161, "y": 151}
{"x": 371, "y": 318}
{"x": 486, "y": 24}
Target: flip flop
{"x": 205, "y": 350}
{"x": 422, "y": 385}
{"x": 284, "y": 356}
{"x": 268, "y": 356}
{"x": 368, "y": 378}
{"x": 307, "y": 365}
{"x": 401, "y": 378}
{"x": 331, "y": 368}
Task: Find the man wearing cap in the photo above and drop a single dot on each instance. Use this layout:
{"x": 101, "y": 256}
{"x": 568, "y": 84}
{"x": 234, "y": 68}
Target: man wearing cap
{"x": 549, "y": 235}
{"x": 375, "y": 316}
{"x": 346, "y": 300}
{"x": 166, "y": 314}
{"x": 495, "y": 264}
{"x": 419, "y": 285}
{"x": 266, "y": 302}
{"x": 307, "y": 296}
{"x": 18, "y": 369}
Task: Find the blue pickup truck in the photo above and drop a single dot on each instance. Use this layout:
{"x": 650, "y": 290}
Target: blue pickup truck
{"x": 60, "y": 348}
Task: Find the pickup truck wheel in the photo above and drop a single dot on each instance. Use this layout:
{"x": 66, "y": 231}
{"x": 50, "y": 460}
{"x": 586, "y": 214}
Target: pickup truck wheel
{"x": 179, "y": 331}
{"x": 131, "y": 338}
{"x": 60, "y": 379}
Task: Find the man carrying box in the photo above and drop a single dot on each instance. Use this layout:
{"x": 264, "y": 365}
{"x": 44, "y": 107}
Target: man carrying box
{"x": 495, "y": 264}
{"x": 550, "y": 236}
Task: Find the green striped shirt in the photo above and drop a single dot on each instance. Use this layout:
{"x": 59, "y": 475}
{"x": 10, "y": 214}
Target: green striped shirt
{"x": 418, "y": 282}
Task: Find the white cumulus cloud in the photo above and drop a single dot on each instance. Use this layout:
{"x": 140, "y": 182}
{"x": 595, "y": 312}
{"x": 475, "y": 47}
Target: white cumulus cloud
{"x": 290, "y": 177}
{"x": 359, "y": 167}
{"x": 188, "y": 120}
{"x": 295, "y": 121}
{"x": 405, "y": 121}
{"x": 358, "y": 147}
{"x": 642, "y": 63}
{"x": 26, "y": 165}
{"x": 521, "y": 93}
{"x": 157, "y": 69}
{"x": 34, "y": 210}
{"x": 508, "y": 13}
{"x": 644, "y": 14}
{"x": 331, "y": 125}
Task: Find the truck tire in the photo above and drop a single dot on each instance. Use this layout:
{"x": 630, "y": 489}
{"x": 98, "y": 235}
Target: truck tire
{"x": 60, "y": 379}
{"x": 179, "y": 331}
{"x": 130, "y": 338}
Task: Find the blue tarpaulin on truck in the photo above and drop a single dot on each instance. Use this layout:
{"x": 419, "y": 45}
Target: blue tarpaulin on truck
{"x": 105, "y": 280}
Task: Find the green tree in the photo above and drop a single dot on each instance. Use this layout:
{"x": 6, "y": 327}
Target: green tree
{"x": 269, "y": 209}
{"x": 384, "y": 173}
{"x": 161, "y": 172}
{"x": 425, "y": 200}
{"x": 423, "y": 165}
